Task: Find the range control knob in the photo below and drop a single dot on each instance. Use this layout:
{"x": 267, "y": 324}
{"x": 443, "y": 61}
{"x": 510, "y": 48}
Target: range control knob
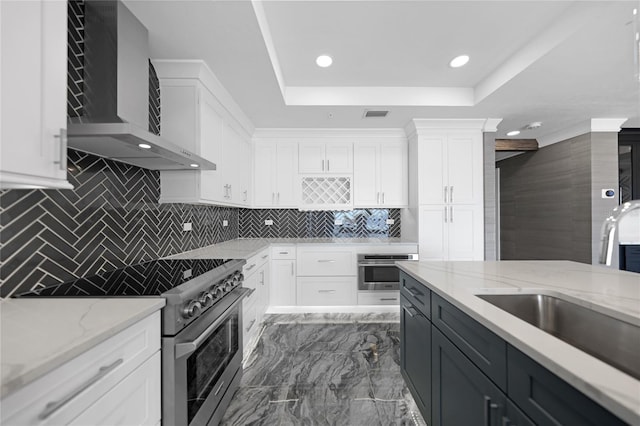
{"x": 192, "y": 309}
{"x": 228, "y": 285}
{"x": 238, "y": 277}
{"x": 219, "y": 291}
{"x": 205, "y": 299}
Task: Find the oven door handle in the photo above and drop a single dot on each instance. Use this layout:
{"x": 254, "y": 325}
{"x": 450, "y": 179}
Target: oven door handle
{"x": 187, "y": 348}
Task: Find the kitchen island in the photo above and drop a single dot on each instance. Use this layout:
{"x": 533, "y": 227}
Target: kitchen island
{"x": 612, "y": 292}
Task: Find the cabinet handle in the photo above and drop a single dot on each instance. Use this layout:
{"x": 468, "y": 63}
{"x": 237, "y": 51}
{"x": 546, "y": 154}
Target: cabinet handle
{"x": 265, "y": 256}
{"x": 445, "y": 194}
{"x": 411, "y": 292}
{"x": 251, "y": 267}
{"x": 273, "y": 198}
{"x": 292, "y": 272}
{"x": 250, "y": 325}
{"x": 219, "y": 387}
{"x": 230, "y": 191}
{"x": 245, "y": 196}
{"x": 506, "y": 421}
{"x": 488, "y": 408}
{"x": 451, "y": 214}
{"x": 445, "y": 214}
{"x": 326, "y": 291}
{"x": 323, "y": 165}
{"x": 328, "y": 165}
{"x": 411, "y": 311}
{"x": 54, "y": 406}
{"x": 388, "y": 298}
{"x": 383, "y": 198}
{"x": 326, "y": 261}
{"x": 261, "y": 277}
{"x": 377, "y": 198}
{"x": 62, "y": 159}
{"x": 451, "y": 193}
{"x": 283, "y": 252}
{"x": 278, "y": 197}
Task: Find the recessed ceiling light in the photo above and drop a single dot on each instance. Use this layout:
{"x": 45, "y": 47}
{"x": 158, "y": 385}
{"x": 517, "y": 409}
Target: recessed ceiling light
{"x": 144, "y": 145}
{"x": 194, "y": 165}
{"x": 459, "y": 61}
{"x": 513, "y": 133}
{"x": 324, "y": 61}
{"x": 534, "y": 125}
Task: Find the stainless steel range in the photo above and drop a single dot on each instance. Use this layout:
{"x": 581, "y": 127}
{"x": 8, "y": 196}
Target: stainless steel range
{"x": 201, "y": 328}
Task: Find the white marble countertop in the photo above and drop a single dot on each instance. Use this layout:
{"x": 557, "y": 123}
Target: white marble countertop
{"x": 613, "y": 292}
{"x": 39, "y": 334}
{"x": 245, "y": 248}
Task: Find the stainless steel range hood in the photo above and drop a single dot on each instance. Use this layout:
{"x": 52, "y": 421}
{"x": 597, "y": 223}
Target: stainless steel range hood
{"x": 113, "y": 119}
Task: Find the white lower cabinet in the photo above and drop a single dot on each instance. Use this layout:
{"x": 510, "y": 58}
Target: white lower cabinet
{"x": 256, "y": 277}
{"x": 117, "y": 382}
{"x": 327, "y": 291}
{"x": 283, "y": 276}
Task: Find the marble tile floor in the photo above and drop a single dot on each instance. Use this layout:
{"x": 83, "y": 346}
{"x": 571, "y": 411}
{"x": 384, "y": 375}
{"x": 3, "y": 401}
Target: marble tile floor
{"x": 324, "y": 369}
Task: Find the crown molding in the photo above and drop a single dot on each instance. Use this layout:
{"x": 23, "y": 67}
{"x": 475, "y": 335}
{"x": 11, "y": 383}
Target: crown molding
{"x": 587, "y": 126}
{"x": 290, "y": 133}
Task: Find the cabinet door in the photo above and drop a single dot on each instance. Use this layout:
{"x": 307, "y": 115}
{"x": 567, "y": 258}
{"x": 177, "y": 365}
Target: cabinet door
{"x": 433, "y": 234}
{"x": 462, "y": 395}
{"x": 338, "y": 158}
{"x": 211, "y": 147}
{"x": 431, "y": 173}
{"x": 283, "y": 283}
{"x": 547, "y": 399}
{"x": 287, "y": 175}
{"x": 265, "y": 171}
{"x": 464, "y": 168}
{"x": 365, "y": 175}
{"x": 465, "y": 238}
{"x": 135, "y": 400}
{"x": 33, "y": 84}
{"x": 311, "y": 157}
{"x": 415, "y": 355}
{"x": 244, "y": 172}
{"x": 393, "y": 174}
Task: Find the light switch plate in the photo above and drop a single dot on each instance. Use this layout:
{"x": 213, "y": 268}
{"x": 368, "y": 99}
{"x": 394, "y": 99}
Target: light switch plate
{"x": 337, "y": 222}
{"x": 390, "y": 221}
{"x": 187, "y": 226}
{"x": 268, "y": 222}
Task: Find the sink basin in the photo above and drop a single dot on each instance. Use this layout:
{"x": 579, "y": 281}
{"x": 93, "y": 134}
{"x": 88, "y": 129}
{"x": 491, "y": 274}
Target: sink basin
{"x": 609, "y": 339}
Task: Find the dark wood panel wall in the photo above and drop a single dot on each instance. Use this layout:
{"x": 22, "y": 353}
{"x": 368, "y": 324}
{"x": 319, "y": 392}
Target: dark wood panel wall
{"x": 550, "y": 205}
{"x": 490, "y": 231}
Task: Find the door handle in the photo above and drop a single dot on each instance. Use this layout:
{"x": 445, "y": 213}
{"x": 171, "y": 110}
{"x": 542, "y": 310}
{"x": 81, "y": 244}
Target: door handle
{"x": 62, "y": 159}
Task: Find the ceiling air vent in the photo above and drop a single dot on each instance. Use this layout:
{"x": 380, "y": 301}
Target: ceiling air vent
{"x": 374, "y": 113}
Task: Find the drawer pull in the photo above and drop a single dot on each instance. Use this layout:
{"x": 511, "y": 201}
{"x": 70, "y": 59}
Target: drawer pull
{"x": 412, "y": 293}
{"x": 265, "y": 256}
{"x": 283, "y": 252}
{"x": 219, "y": 387}
{"x": 326, "y": 261}
{"x": 388, "y": 298}
{"x": 54, "y": 406}
{"x": 253, "y": 265}
{"x": 326, "y": 291}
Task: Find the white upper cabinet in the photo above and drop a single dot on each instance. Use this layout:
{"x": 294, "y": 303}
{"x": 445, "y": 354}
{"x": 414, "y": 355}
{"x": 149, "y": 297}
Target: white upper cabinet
{"x": 34, "y": 88}
{"x": 380, "y": 174}
{"x": 451, "y": 167}
{"x": 325, "y": 157}
{"x": 276, "y": 172}
{"x": 197, "y": 120}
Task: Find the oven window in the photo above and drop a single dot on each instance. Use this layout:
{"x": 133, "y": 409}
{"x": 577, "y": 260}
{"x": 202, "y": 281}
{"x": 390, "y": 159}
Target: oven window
{"x": 381, "y": 274}
{"x": 208, "y": 362}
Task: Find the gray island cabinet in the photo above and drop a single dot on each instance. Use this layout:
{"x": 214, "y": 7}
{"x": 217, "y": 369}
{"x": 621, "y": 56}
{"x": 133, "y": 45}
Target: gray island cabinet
{"x": 461, "y": 373}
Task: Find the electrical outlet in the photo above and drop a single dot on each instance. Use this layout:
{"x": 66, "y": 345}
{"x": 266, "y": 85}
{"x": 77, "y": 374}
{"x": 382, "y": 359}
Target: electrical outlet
{"x": 225, "y": 222}
{"x": 268, "y": 222}
{"x": 390, "y": 221}
{"x": 337, "y": 222}
{"x": 187, "y": 274}
{"x": 187, "y": 226}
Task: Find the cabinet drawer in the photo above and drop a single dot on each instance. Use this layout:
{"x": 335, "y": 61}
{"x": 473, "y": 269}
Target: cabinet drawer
{"x": 283, "y": 252}
{"x": 481, "y": 346}
{"x": 547, "y": 399}
{"x": 334, "y": 291}
{"x": 254, "y": 262}
{"x": 416, "y": 293}
{"x": 378, "y": 298}
{"x": 133, "y": 401}
{"x": 81, "y": 382}
{"x": 319, "y": 262}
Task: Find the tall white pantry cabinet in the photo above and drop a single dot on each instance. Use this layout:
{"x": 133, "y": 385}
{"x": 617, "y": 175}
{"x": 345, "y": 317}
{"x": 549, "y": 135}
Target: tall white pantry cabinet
{"x": 446, "y": 174}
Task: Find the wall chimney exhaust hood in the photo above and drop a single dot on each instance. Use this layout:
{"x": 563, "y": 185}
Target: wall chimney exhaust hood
{"x": 109, "y": 103}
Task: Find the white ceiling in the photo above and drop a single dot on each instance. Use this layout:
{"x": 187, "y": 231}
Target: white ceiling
{"x": 559, "y": 62}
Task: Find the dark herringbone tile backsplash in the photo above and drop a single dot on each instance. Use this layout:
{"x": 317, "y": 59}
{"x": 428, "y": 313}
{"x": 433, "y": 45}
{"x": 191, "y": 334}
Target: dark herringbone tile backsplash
{"x": 111, "y": 219}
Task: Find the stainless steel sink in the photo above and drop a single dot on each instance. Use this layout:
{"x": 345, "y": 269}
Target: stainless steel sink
{"x": 613, "y": 341}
